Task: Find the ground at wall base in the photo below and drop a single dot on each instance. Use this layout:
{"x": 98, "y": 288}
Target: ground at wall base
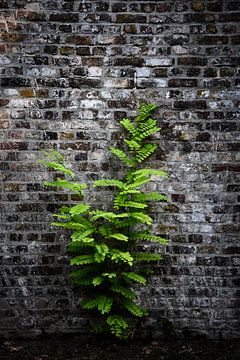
{"x": 74, "y": 348}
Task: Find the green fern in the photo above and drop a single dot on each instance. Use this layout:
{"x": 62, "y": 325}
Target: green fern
{"x": 120, "y": 256}
{"x": 58, "y": 167}
{"x": 118, "y": 326}
{"x": 135, "y": 309}
{"x": 122, "y": 156}
{"x": 82, "y": 260}
{"x": 145, "y": 152}
{"x": 133, "y": 276}
{"x": 145, "y": 235}
{"x": 143, "y": 256}
{"x": 129, "y": 126}
{"x": 152, "y": 196}
{"x": 124, "y": 291}
{"x": 116, "y": 183}
{"x": 61, "y": 183}
{"x": 104, "y": 242}
{"x": 102, "y": 303}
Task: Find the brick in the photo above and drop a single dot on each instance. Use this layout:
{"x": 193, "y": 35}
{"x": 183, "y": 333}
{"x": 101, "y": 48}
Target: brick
{"x": 64, "y": 17}
{"x": 70, "y": 70}
{"x": 213, "y": 40}
{"x": 198, "y": 5}
{"x": 198, "y": 104}
{"x": 128, "y": 18}
{"x": 158, "y": 62}
{"x": 182, "y": 82}
{"x": 79, "y": 40}
{"x": 192, "y": 61}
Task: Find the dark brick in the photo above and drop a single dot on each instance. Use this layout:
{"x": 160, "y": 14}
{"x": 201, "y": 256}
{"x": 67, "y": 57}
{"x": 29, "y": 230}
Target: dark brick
{"x": 125, "y": 61}
{"x": 215, "y": 6}
{"x": 192, "y": 61}
{"x": 204, "y": 136}
{"x": 230, "y": 17}
{"x": 198, "y": 104}
{"x": 213, "y": 40}
{"x": 64, "y": 17}
{"x": 31, "y": 15}
{"x": 128, "y": 18}
{"x": 50, "y": 135}
{"x": 233, "y": 187}
{"x": 160, "y": 72}
{"x": 79, "y": 40}
{"x": 119, "y": 7}
{"x": 182, "y": 82}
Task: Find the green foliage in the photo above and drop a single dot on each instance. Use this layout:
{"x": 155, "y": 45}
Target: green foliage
{"x": 102, "y": 244}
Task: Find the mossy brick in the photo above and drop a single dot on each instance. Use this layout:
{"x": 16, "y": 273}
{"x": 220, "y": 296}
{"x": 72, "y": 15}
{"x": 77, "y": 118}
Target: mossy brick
{"x": 198, "y": 5}
{"x": 14, "y": 37}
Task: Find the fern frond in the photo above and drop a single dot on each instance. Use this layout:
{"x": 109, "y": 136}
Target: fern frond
{"x": 146, "y": 132}
{"x": 102, "y": 251}
{"x": 62, "y": 217}
{"x": 135, "y": 309}
{"x": 79, "y": 209}
{"x": 82, "y": 236}
{"x": 122, "y": 156}
{"x": 142, "y": 256}
{"x": 99, "y": 279}
{"x": 84, "y": 272}
{"x": 118, "y": 236}
{"x": 69, "y": 225}
{"x": 134, "y": 204}
{"x": 145, "y": 152}
{"x": 141, "y": 217}
{"x": 102, "y": 303}
{"x": 116, "y": 183}
{"x": 58, "y": 167}
{"x": 152, "y": 196}
{"x": 120, "y": 256}
{"x": 53, "y": 155}
{"x": 124, "y": 291}
{"x": 145, "y": 111}
{"x": 108, "y": 215}
{"x": 132, "y": 144}
{"x": 118, "y": 326}
{"x": 133, "y": 276}
{"x": 125, "y": 223}
{"x": 129, "y": 126}
{"x": 61, "y": 183}
{"x": 149, "y": 172}
{"x": 138, "y": 183}
{"x": 77, "y": 247}
{"x": 82, "y": 260}
{"x": 146, "y": 236}
{"x": 129, "y": 191}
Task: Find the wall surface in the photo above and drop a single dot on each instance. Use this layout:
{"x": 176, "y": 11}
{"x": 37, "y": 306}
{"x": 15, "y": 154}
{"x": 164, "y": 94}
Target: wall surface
{"x": 69, "y": 71}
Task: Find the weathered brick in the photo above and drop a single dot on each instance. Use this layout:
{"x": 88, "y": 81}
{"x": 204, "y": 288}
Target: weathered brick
{"x": 128, "y": 18}
{"x": 64, "y": 17}
{"x": 192, "y": 61}
{"x": 79, "y": 40}
{"x": 198, "y": 5}
{"x": 182, "y": 82}
{"x": 70, "y": 70}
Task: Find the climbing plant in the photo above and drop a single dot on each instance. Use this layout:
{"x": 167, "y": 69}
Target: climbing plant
{"x": 105, "y": 245}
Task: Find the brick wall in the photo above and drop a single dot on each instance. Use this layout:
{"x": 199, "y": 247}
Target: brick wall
{"x": 69, "y": 71}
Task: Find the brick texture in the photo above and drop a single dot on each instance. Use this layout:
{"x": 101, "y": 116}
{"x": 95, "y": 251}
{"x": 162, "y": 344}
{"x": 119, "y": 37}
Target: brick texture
{"x": 69, "y": 71}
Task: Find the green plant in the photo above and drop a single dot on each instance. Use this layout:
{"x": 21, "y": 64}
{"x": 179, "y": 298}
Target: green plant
{"x": 105, "y": 245}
